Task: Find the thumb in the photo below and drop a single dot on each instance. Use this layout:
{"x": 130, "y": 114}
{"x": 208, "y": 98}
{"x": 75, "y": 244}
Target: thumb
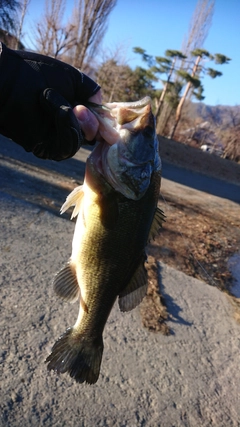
{"x": 87, "y": 122}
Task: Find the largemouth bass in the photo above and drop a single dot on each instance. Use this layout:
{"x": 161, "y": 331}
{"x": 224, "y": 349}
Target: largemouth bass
{"x": 117, "y": 216}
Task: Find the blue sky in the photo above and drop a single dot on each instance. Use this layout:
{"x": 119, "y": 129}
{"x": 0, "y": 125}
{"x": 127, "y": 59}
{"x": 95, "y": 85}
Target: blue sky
{"x": 157, "y": 25}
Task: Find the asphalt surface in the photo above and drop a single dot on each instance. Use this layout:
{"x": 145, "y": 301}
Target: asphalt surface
{"x": 200, "y": 182}
{"x": 189, "y": 378}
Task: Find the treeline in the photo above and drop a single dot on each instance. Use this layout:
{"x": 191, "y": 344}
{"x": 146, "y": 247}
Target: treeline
{"x": 74, "y": 39}
{"x": 171, "y": 80}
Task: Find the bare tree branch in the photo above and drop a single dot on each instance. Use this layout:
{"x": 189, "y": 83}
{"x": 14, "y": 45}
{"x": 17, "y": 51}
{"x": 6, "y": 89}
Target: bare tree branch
{"x": 24, "y": 7}
{"x": 77, "y": 41}
{"x": 52, "y": 36}
{"x": 199, "y": 26}
{"x": 89, "y": 22}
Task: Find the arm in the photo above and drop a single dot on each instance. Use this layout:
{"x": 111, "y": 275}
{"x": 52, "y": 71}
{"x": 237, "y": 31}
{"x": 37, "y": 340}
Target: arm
{"x": 37, "y": 98}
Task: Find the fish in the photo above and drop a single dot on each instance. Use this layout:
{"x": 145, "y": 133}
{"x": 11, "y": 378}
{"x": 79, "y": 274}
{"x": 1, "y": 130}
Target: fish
{"x": 117, "y": 215}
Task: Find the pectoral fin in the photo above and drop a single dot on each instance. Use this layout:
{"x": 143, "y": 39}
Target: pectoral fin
{"x": 74, "y": 199}
{"x": 65, "y": 284}
{"x": 158, "y": 219}
{"x": 135, "y": 291}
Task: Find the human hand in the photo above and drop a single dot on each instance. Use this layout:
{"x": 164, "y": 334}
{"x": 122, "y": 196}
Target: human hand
{"x": 37, "y": 98}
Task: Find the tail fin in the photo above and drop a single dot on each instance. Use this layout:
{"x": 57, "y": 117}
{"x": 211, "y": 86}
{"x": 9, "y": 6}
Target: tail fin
{"x": 78, "y": 355}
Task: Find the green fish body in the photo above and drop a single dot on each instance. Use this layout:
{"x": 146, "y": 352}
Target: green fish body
{"x": 116, "y": 219}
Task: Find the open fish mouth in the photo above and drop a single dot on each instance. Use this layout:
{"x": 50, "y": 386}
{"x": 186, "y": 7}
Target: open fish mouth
{"x": 128, "y": 154}
{"x": 116, "y": 116}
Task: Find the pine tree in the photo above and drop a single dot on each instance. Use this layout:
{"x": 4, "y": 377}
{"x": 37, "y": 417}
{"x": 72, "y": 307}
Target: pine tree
{"x": 193, "y": 80}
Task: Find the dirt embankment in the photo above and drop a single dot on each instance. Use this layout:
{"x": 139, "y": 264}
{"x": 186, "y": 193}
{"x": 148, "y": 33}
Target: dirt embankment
{"x": 194, "y": 159}
{"x": 201, "y": 231}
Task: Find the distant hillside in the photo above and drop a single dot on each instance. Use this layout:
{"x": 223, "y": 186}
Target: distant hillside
{"x": 220, "y": 115}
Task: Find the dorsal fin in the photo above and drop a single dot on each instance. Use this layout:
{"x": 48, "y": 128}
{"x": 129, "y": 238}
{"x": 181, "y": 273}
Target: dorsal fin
{"x": 135, "y": 291}
{"x": 74, "y": 199}
{"x": 158, "y": 219}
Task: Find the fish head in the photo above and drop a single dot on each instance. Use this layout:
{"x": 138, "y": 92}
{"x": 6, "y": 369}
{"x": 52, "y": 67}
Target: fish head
{"x": 128, "y": 154}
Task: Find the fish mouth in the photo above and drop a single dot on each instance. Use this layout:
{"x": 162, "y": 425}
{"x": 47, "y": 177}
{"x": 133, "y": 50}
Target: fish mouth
{"x": 126, "y": 156}
{"x": 116, "y": 117}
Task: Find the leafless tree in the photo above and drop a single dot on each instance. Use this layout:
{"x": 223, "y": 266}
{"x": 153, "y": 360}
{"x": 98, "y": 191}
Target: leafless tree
{"x": 231, "y": 135}
{"x": 113, "y": 73}
{"x": 114, "y": 80}
{"x": 234, "y": 116}
{"x": 232, "y": 148}
{"x": 76, "y": 41}
{"x": 199, "y": 26}
{"x": 52, "y": 36}
{"x": 19, "y": 28}
{"x": 89, "y": 20}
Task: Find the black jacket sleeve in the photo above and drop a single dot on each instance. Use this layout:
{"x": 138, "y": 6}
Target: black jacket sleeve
{"x": 37, "y": 94}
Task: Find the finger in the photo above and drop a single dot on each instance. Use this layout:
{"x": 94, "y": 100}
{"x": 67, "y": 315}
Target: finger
{"x": 87, "y": 121}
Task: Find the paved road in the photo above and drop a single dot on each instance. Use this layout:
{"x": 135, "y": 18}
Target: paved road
{"x": 198, "y": 181}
